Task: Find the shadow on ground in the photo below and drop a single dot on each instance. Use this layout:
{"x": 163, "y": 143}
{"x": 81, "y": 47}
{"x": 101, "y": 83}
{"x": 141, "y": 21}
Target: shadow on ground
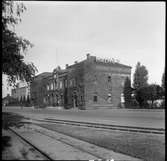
{"x": 5, "y": 142}
{"x": 11, "y": 120}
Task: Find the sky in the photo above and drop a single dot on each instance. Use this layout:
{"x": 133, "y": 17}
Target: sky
{"x": 64, "y": 32}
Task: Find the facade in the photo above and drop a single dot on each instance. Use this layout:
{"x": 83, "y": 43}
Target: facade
{"x": 38, "y": 89}
{"x": 91, "y": 83}
{"x": 21, "y": 91}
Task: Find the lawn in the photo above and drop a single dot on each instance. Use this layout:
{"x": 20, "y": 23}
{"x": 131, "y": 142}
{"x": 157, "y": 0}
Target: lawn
{"x": 144, "y": 146}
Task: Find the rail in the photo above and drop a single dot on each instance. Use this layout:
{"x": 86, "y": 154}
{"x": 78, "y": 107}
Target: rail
{"x": 45, "y": 155}
{"x": 106, "y": 126}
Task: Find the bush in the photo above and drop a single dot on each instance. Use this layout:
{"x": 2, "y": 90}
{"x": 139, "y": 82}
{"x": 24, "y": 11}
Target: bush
{"x": 162, "y": 105}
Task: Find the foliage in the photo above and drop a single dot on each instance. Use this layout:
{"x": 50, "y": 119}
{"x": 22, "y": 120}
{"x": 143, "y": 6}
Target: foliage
{"x": 140, "y": 97}
{"x": 140, "y": 76}
{"x": 14, "y": 47}
{"x": 163, "y": 82}
{"x": 153, "y": 92}
{"x": 127, "y": 92}
{"x": 148, "y": 93}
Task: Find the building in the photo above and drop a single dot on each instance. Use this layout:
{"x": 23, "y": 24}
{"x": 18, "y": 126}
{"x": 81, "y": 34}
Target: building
{"x": 91, "y": 83}
{"x": 37, "y": 89}
{"x": 21, "y": 91}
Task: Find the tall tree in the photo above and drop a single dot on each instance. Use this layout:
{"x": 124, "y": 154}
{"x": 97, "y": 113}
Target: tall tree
{"x": 14, "y": 47}
{"x": 140, "y": 76}
{"x": 127, "y": 92}
{"x": 163, "y": 81}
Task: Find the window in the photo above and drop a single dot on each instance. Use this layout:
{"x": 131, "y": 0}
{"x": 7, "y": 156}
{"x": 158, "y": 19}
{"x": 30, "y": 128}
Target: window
{"x": 74, "y": 83}
{"x": 51, "y": 86}
{"x": 61, "y": 84}
{"x": 109, "y": 78}
{"x": 70, "y": 83}
{"x": 48, "y": 87}
{"x": 95, "y": 98}
{"x": 81, "y": 98}
{"x": 65, "y": 83}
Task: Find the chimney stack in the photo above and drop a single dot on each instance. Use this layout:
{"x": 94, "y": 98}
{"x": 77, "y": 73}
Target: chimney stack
{"x": 88, "y": 56}
{"x": 75, "y": 62}
{"x": 66, "y": 66}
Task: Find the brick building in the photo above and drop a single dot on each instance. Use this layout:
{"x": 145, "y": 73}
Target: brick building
{"x": 38, "y": 89}
{"x": 91, "y": 83}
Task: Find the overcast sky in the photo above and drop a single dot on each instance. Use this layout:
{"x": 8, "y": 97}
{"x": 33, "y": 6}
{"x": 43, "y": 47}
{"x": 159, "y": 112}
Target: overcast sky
{"x": 63, "y": 32}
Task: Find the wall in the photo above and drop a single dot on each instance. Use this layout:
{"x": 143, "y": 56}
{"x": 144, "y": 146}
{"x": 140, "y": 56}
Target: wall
{"x": 96, "y": 84}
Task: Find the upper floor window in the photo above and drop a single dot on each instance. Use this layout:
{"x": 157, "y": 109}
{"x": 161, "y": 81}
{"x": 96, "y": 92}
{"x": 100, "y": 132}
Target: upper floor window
{"x": 61, "y": 84}
{"x": 47, "y": 87}
{"x": 51, "y": 86}
{"x": 74, "y": 82}
{"x": 109, "y": 78}
{"x": 70, "y": 83}
{"x": 65, "y": 83}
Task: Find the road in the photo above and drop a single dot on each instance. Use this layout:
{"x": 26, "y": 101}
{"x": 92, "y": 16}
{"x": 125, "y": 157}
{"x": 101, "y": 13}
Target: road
{"x": 125, "y": 117}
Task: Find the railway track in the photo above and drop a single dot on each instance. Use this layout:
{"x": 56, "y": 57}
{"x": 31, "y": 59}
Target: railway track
{"x": 105, "y": 126}
{"x": 42, "y": 153}
{"x": 99, "y": 157}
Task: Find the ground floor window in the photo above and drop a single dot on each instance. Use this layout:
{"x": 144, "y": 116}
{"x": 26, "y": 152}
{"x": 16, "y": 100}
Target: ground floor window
{"x": 95, "y": 98}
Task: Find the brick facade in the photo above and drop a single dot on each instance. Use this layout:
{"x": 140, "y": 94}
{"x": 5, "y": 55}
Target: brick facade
{"x": 92, "y": 83}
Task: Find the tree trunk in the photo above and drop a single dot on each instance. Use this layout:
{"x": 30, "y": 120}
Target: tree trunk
{"x": 152, "y": 101}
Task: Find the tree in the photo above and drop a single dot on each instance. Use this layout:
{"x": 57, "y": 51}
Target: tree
{"x": 163, "y": 81}
{"x": 127, "y": 92}
{"x": 153, "y": 92}
{"x": 14, "y": 47}
{"x": 24, "y": 100}
{"x": 150, "y": 92}
{"x": 140, "y": 94}
{"x": 140, "y": 76}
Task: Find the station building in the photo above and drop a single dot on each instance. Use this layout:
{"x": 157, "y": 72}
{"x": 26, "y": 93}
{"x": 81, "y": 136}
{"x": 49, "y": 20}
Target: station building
{"x": 89, "y": 84}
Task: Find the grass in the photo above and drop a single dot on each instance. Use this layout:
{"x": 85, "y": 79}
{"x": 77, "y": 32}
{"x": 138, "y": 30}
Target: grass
{"x": 143, "y": 146}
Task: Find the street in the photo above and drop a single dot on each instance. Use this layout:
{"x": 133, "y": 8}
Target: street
{"x": 125, "y": 117}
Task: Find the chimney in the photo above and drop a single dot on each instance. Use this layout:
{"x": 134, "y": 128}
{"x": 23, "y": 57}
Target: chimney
{"x": 66, "y": 66}
{"x": 75, "y": 62}
{"x": 88, "y": 56}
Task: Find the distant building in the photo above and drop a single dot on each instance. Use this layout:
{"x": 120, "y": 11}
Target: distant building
{"x": 22, "y": 90}
{"x": 91, "y": 83}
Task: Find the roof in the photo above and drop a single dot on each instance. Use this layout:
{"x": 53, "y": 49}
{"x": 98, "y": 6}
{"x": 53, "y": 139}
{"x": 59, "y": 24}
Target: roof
{"x": 115, "y": 64}
{"x": 43, "y": 75}
{"x": 94, "y": 58}
{"x": 78, "y": 63}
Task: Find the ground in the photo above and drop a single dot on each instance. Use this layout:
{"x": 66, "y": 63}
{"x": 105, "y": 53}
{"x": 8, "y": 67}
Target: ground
{"x": 145, "y": 146}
